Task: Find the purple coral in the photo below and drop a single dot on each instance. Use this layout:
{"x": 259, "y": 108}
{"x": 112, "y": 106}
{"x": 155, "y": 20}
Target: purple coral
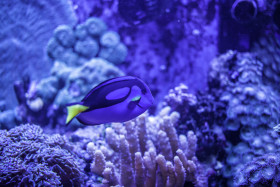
{"x": 29, "y": 157}
{"x": 145, "y": 151}
{"x": 267, "y": 49}
{"x": 236, "y": 78}
{"x": 45, "y": 103}
{"x": 263, "y": 170}
{"x": 203, "y": 114}
{"x": 26, "y": 30}
{"x": 252, "y": 108}
{"x": 76, "y": 45}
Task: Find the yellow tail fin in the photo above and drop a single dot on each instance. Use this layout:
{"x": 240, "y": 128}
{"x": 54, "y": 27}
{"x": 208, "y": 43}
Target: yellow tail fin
{"x": 74, "y": 110}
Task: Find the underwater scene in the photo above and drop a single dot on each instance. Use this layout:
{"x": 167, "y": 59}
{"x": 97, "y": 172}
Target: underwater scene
{"x": 146, "y": 93}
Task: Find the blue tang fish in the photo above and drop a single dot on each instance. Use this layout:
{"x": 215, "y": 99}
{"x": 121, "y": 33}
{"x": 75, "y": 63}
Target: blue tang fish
{"x": 115, "y": 100}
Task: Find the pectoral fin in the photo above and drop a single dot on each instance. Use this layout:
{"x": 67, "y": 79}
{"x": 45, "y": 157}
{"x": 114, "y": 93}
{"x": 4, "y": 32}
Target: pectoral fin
{"x": 133, "y": 102}
{"x": 74, "y": 110}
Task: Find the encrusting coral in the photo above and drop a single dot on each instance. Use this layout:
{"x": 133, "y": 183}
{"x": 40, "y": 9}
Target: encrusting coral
{"x": 262, "y": 171}
{"x": 237, "y": 79}
{"x": 267, "y": 48}
{"x": 252, "y": 109}
{"x": 239, "y": 106}
{"x": 147, "y": 152}
{"x": 195, "y": 109}
{"x": 30, "y": 158}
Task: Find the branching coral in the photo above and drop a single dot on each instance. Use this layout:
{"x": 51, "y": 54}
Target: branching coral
{"x": 147, "y": 152}
{"x": 198, "y": 108}
{"x": 87, "y": 40}
{"x": 203, "y": 114}
{"x": 238, "y": 105}
{"x": 31, "y": 158}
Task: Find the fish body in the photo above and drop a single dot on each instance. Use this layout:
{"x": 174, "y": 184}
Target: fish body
{"x": 115, "y": 100}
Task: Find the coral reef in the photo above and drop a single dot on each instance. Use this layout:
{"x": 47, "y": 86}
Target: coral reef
{"x": 26, "y": 27}
{"x": 220, "y": 131}
{"x": 237, "y": 79}
{"x": 267, "y": 49}
{"x": 204, "y": 114}
{"x": 172, "y": 48}
{"x": 76, "y": 70}
{"x": 259, "y": 141}
{"x": 146, "y": 151}
{"x": 198, "y": 108}
{"x": 175, "y": 54}
{"x": 43, "y": 102}
{"x": 90, "y": 39}
{"x": 239, "y": 107}
{"x": 262, "y": 171}
{"x": 31, "y": 158}
{"x": 252, "y": 108}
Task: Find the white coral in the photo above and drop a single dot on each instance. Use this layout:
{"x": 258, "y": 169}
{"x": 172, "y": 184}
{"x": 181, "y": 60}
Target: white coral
{"x": 148, "y": 152}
